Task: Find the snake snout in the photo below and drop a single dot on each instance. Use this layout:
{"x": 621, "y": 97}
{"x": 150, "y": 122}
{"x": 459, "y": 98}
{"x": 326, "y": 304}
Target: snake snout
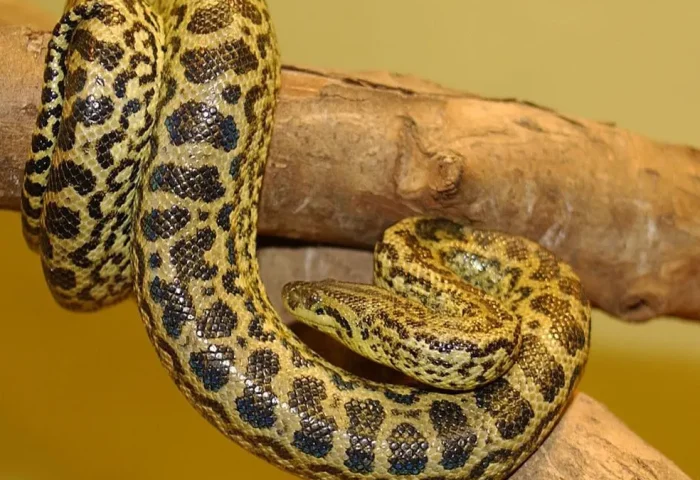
{"x": 298, "y": 295}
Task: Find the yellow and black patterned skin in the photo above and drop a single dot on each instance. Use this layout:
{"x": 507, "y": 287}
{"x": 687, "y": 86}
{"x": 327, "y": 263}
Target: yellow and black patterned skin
{"x": 145, "y": 172}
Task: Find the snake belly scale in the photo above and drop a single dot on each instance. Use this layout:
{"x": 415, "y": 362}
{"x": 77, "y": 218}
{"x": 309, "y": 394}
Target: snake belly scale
{"x": 145, "y": 172}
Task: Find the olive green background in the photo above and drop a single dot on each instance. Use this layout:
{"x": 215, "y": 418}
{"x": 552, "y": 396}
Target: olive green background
{"x": 84, "y": 396}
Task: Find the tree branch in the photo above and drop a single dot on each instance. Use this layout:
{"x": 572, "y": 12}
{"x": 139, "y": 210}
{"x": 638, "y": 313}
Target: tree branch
{"x": 353, "y": 153}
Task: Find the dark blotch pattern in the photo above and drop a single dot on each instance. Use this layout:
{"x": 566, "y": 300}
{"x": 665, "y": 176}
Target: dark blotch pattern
{"x": 203, "y": 65}
{"x": 93, "y": 110}
{"x": 256, "y": 326}
{"x": 108, "y": 54}
{"x": 457, "y": 437}
{"x": 187, "y": 256}
{"x": 257, "y": 405}
{"x": 223, "y": 218}
{"x": 68, "y": 173}
{"x": 565, "y": 328}
{"x": 60, "y": 277}
{"x": 164, "y": 223}
{"x": 62, "y": 221}
{"x": 231, "y": 94}
{"x": 315, "y": 437}
{"x": 365, "y": 418}
{"x": 541, "y": 367}
{"x": 511, "y": 412}
{"x": 187, "y": 182}
{"x": 401, "y": 398}
{"x": 408, "y": 450}
{"x": 176, "y": 303}
{"x": 212, "y": 366}
{"x": 209, "y": 19}
{"x": 217, "y": 322}
{"x": 198, "y": 122}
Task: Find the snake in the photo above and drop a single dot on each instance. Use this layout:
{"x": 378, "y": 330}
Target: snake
{"x": 145, "y": 171}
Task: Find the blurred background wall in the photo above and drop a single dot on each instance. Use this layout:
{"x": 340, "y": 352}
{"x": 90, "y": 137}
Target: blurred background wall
{"x": 83, "y": 396}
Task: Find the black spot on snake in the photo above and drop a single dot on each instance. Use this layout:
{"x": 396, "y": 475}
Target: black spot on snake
{"x": 75, "y": 82}
{"x": 132, "y": 107}
{"x": 228, "y": 280}
{"x": 155, "y": 261}
{"x": 176, "y": 303}
{"x": 496, "y": 456}
{"x": 179, "y": 13}
{"x": 548, "y": 268}
{"x": 264, "y": 44}
{"x": 61, "y": 221}
{"x": 541, "y": 367}
{"x": 38, "y": 166}
{"x": 209, "y": 19}
{"x": 124, "y": 175}
{"x": 408, "y": 450}
{"x": 203, "y": 65}
{"x": 401, "y": 398}
{"x": 40, "y": 143}
{"x": 48, "y": 95}
{"x": 235, "y": 167}
{"x": 110, "y": 16}
{"x": 316, "y": 435}
{"x": 69, "y": 174}
{"x": 511, "y": 412}
{"x": 248, "y": 10}
{"x": 252, "y": 97}
{"x": 49, "y": 74}
{"x": 164, "y": 223}
{"x": 212, "y": 366}
{"x": 365, "y": 419}
{"x": 46, "y": 115}
{"x": 565, "y": 328}
{"x": 457, "y": 437}
{"x": 93, "y": 110}
{"x": 33, "y": 189}
{"x": 188, "y": 182}
{"x": 231, "y": 94}
{"x": 104, "y": 147}
{"x": 187, "y": 256}
{"x": 66, "y": 135}
{"x": 223, "y": 218}
{"x": 197, "y": 122}
{"x": 62, "y": 278}
{"x": 91, "y": 49}
{"x": 217, "y": 322}
{"x": 257, "y": 405}
{"x": 342, "y": 384}
{"x": 255, "y": 327}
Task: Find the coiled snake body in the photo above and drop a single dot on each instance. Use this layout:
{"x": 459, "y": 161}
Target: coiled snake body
{"x": 149, "y": 154}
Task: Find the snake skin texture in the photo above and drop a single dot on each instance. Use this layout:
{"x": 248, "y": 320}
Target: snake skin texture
{"x": 145, "y": 172}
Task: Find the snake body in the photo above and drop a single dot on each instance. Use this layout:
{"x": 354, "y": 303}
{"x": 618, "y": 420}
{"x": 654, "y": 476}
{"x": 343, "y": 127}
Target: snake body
{"x": 145, "y": 172}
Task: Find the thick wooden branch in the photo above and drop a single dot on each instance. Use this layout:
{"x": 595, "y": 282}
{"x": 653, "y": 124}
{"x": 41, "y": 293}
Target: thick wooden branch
{"x": 589, "y": 443}
{"x": 353, "y": 153}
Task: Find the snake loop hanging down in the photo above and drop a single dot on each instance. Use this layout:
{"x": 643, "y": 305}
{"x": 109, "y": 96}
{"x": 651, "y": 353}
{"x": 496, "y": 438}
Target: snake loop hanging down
{"x": 145, "y": 172}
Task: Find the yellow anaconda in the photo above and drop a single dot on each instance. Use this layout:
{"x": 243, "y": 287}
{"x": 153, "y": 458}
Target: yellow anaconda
{"x": 145, "y": 172}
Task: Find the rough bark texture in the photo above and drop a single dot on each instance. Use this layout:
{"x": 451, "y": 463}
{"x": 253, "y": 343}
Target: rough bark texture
{"x": 353, "y": 153}
{"x": 589, "y": 443}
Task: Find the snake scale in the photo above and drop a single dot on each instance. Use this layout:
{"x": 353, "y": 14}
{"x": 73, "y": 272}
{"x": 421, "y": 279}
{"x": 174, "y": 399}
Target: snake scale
{"x": 145, "y": 172}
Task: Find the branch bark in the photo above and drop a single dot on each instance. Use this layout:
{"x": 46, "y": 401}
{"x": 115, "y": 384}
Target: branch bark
{"x": 588, "y": 443}
{"x": 353, "y": 153}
